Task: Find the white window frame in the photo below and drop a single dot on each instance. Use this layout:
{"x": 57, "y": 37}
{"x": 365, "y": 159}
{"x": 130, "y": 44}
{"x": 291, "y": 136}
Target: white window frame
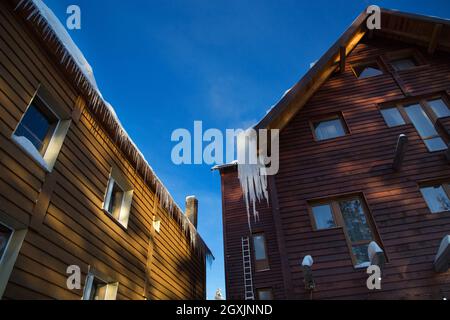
{"x": 12, "y": 249}
{"x": 48, "y": 159}
{"x": 124, "y": 214}
{"x": 111, "y": 287}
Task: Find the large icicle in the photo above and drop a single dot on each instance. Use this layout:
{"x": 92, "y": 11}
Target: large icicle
{"x": 74, "y": 61}
{"x": 251, "y": 172}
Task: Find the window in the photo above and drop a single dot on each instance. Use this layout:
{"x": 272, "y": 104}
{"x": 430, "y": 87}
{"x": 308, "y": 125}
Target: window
{"x": 12, "y": 234}
{"x": 392, "y": 117}
{"x": 440, "y": 108}
{"x": 403, "y": 64}
{"x": 352, "y": 215}
{"x": 116, "y": 195}
{"x": 357, "y": 228}
{"x": 260, "y": 252}
{"x": 37, "y": 125}
{"x": 437, "y": 197}
{"x": 367, "y": 70}
{"x": 264, "y": 294}
{"x": 5, "y": 236}
{"x": 329, "y": 128}
{"x": 423, "y": 115}
{"x": 323, "y": 217}
{"x": 98, "y": 289}
{"x": 42, "y": 129}
{"x": 425, "y": 128}
{"x": 118, "y": 198}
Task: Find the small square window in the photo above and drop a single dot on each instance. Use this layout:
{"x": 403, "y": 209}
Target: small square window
{"x": 367, "y": 70}
{"x": 403, "y": 64}
{"x": 323, "y": 217}
{"x": 118, "y": 198}
{"x": 436, "y": 198}
{"x": 5, "y": 236}
{"x": 264, "y": 294}
{"x": 440, "y": 108}
{"x": 329, "y": 129}
{"x": 392, "y": 117}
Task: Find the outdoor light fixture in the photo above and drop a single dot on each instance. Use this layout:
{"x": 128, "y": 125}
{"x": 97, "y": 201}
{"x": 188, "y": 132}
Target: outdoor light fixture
{"x": 376, "y": 255}
{"x": 307, "y": 273}
{"x": 442, "y": 260}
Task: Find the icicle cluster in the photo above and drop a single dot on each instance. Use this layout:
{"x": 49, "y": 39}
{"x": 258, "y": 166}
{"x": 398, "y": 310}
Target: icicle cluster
{"x": 73, "y": 60}
{"x": 252, "y": 174}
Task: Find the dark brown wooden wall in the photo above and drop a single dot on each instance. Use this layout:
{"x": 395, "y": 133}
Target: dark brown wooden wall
{"x": 357, "y": 163}
{"x": 63, "y": 209}
{"x": 235, "y": 227}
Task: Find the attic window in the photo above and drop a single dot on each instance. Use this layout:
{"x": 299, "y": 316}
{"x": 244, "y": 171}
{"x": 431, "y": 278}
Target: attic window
{"x": 367, "y": 70}
{"x": 403, "y": 64}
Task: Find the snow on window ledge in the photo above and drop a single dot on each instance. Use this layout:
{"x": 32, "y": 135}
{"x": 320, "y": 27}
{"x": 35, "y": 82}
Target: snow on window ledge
{"x": 31, "y": 150}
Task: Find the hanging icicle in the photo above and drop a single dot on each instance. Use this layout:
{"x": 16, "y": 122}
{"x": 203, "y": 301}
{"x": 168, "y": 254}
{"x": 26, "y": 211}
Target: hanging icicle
{"x": 251, "y": 173}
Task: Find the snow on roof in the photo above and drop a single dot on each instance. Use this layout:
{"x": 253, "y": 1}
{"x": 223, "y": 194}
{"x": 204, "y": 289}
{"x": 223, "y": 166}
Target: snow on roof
{"x": 75, "y": 62}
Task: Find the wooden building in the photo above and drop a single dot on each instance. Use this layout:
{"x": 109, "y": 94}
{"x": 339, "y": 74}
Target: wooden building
{"x": 75, "y": 192}
{"x": 363, "y": 158}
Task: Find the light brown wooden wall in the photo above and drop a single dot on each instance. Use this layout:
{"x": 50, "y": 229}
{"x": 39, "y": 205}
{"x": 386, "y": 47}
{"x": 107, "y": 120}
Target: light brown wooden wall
{"x": 63, "y": 208}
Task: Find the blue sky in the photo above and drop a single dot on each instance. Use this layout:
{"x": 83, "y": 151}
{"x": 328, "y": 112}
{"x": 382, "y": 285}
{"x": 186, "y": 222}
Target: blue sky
{"x": 164, "y": 64}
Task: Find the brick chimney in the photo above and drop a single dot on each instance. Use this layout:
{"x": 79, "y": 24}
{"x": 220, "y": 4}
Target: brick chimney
{"x": 192, "y": 209}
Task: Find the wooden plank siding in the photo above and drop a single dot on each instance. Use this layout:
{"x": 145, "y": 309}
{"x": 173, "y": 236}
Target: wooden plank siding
{"x": 74, "y": 230}
{"x": 360, "y": 162}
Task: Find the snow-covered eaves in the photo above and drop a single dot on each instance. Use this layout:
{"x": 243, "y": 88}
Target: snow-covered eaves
{"x": 72, "y": 61}
{"x": 226, "y": 165}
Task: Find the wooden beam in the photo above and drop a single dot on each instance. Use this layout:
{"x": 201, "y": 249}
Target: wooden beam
{"x": 394, "y": 75}
{"x": 80, "y": 105}
{"x": 447, "y": 153}
{"x": 43, "y": 201}
{"x": 287, "y": 278}
{"x": 342, "y": 58}
{"x": 402, "y": 145}
{"x": 434, "y": 41}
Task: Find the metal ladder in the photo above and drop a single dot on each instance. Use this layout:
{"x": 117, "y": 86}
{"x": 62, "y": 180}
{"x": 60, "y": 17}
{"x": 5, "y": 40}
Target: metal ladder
{"x": 248, "y": 279}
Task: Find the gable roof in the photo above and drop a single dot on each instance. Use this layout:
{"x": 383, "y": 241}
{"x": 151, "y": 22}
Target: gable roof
{"x": 430, "y": 32}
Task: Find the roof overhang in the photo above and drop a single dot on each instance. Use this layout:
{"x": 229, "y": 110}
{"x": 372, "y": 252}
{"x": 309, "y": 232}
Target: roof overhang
{"x": 429, "y": 32}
